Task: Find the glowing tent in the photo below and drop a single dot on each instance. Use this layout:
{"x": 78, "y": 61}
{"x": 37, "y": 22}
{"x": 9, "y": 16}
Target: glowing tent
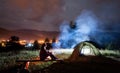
{"x": 87, "y": 48}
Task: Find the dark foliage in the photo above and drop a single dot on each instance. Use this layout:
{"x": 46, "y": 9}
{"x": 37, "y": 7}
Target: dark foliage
{"x": 12, "y": 45}
{"x": 36, "y": 45}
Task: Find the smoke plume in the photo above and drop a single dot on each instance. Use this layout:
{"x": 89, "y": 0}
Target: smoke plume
{"x": 86, "y": 27}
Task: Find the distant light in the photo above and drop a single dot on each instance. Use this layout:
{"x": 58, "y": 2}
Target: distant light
{"x": 3, "y": 40}
{"x": 22, "y": 42}
{"x": 41, "y": 41}
{"x": 32, "y": 41}
{"x": 3, "y": 44}
{"x": 29, "y": 45}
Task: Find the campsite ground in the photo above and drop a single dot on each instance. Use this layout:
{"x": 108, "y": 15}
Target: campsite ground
{"x": 85, "y": 64}
{"x": 104, "y": 65}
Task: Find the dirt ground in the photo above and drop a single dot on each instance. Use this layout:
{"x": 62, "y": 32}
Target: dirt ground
{"x": 84, "y": 65}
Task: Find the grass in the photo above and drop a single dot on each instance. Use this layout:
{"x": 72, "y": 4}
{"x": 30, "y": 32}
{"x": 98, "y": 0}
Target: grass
{"x": 7, "y": 59}
{"x": 113, "y": 53}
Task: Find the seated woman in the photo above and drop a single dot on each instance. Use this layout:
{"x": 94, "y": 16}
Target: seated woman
{"x": 44, "y": 51}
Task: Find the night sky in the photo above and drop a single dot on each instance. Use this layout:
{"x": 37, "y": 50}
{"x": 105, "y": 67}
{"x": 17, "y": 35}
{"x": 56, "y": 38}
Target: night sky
{"x": 49, "y": 14}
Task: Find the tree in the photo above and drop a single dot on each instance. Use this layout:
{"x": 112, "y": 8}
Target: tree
{"x": 54, "y": 44}
{"x": 54, "y": 40}
{"x": 14, "y": 39}
{"x": 36, "y": 45}
{"x": 47, "y": 40}
{"x": 13, "y": 44}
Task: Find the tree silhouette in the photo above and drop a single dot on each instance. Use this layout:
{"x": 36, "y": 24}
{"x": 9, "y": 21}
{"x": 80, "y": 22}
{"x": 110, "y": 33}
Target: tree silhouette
{"x": 47, "y": 40}
{"x": 54, "y": 43}
{"x": 14, "y": 44}
{"x": 54, "y": 40}
{"x": 36, "y": 45}
{"x": 14, "y": 39}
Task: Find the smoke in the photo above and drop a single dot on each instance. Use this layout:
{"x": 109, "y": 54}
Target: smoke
{"x": 85, "y": 27}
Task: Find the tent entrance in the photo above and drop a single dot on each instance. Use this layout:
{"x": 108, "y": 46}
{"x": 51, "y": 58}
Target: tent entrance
{"x": 86, "y": 50}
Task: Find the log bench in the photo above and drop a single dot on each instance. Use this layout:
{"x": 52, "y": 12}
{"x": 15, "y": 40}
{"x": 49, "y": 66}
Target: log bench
{"x": 25, "y": 64}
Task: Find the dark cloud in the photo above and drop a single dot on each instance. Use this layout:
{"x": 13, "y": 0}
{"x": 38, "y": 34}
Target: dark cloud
{"x": 37, "y": 14}
{"x": 32, "y": 13}
{"x": 107, "y": 11}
